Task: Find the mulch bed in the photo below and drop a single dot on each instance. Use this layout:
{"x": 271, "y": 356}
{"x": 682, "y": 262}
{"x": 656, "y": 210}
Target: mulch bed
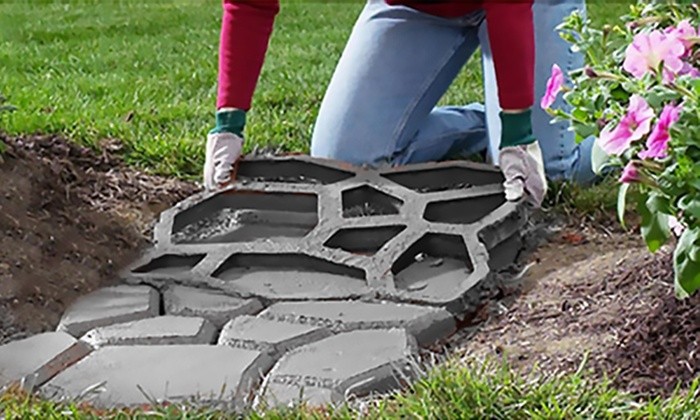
{"x": 658, "y": 346}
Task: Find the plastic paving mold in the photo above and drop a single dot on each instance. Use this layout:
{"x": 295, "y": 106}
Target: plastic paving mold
{"x": 367, "y": 240}
{"x": 242, "y": 216}
{"x": 445, "y": 179}
{"x": 307, "y": 279}
{"x": 368, "y": 201}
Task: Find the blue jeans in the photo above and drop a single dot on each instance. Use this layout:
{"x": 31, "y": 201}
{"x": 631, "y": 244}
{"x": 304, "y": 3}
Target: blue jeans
{"x": 380, "y": 106}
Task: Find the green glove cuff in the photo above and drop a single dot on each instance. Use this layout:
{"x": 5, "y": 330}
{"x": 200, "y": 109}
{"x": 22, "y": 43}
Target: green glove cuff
{"x": 230, "y": 121}
{"x": 516, "y": 129}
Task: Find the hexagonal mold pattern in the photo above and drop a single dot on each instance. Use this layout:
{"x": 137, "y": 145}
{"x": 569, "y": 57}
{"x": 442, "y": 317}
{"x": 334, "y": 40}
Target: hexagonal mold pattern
{"x": 319, "y": 240}
{"x": 433, "y": 180}
{"x": 366, "y": 240}
{"x": 463, "y": 210}
{"x": 434, "y": 262}
{"x": 366, "y": 201}
{"x": 244, "y": 216}
{"x": 290, "y": 276}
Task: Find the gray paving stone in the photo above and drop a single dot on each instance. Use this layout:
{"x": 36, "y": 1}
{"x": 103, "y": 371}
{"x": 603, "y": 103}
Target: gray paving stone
{"x": 166, "y": 329}
{"x": 23, "y": 357}
{"x": 111, "y": 305}
{"x": 273, "y": 337}
{"x": 208, "y": 374}
{"x": 353, "y": 363}
{"x": 216, "y": 307}
{"x": 427, "y": 324}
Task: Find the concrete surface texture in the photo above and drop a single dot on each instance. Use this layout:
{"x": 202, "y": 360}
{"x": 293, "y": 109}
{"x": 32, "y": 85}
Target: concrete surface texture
{"x": 306, "y": 280}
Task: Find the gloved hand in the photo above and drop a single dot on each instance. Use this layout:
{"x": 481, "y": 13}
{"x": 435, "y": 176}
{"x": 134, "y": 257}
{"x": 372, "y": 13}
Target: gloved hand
{"x": 224, "y": 147}
{"x": 520, "y": 159}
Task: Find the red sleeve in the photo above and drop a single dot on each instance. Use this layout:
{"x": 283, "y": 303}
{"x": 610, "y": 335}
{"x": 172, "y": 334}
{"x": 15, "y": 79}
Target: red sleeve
{"x": 512, "y": 39}
{"x": 246, "y": 28}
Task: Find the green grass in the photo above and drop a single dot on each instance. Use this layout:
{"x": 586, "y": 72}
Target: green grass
{"x": 454, "y": 391}
{"x": 144, "y": 71}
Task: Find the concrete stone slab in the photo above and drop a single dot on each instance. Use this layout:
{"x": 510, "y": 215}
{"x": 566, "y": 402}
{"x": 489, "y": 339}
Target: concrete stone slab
{"x": 132, "y": 375}
{"x": 273, "y": 337}
{"x": 218, "y": 308}
{"x": 166, "y": 329}
{"x": 353, "y": 363}
{"x": 427, "y": 324}
{"x": 23, "y": 357}
{"x": 111, "y": 305}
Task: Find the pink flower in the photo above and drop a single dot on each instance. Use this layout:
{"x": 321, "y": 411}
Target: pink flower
{"x": 657, "y": 143}
{"x": 684, "y": 32}
{"x": 554, "y": 85}
{"x": 647, "y": 51}
{"x": 633, "y": 126}
{"x": 630, "y": 174}
{"x": 676, "y": 226}
{"x": 688, "y": 69}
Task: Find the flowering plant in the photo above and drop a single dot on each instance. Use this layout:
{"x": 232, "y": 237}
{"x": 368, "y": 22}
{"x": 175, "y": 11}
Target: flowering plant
{"x": 638, "y": 95}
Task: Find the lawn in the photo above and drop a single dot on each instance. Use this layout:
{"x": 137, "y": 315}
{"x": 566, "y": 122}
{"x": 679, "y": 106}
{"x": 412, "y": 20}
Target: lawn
{"x": 144, "y": 72}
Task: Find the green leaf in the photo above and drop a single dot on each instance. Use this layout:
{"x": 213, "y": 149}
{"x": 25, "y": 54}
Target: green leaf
{"x": 690, "y": 205}
{"x": 655, "y": 227}
{"x": 686, "y": 269}
{"x": 580, "y": 114}
{"x": 659, "y": 204}
{"x": 622, "y": 203}
{"x": 696, "y": 86}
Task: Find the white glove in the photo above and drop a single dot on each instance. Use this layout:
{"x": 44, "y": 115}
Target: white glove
{"x": 523, "y": 169}
{"x": 222, "y": 154}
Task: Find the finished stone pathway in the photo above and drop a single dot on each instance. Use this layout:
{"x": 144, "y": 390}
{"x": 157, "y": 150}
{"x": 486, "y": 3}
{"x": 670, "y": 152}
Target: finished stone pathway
{"x": 306, "y": 280}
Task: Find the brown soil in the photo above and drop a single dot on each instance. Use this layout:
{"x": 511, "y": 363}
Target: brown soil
{"x": 69, "y": 219}
{"x": 605, "y": 301}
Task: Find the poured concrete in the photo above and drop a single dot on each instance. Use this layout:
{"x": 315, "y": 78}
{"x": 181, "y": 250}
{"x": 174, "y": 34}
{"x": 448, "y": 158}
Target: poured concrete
{"x": 273, "y": 337}
{"x": 111, "y": 305}
{"x": 218, "y": 308}
{"x": 23, "y": 357}
{"x": 232, "y": 225}
{"x": 132, "y": 375}
{"x": 427, "y": 324}
{"x": 159, "y": 330}
{"x": 336, "y": 366}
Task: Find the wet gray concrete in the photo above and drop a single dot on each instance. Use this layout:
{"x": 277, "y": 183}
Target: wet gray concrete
{"x": 375, "y": 366}
{"x": 108, "y": 306}
{"x": 216, "y": 307}
{"x": 158, "y": 330}
{"x": 23, "y": 357}
{"x": 132, "y": 375}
